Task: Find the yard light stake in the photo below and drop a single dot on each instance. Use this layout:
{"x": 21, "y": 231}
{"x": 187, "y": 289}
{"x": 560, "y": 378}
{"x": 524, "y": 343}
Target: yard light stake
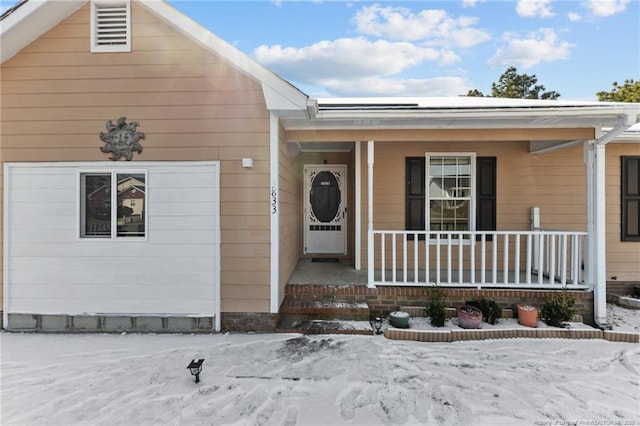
{"x": 196, "y": 367}
{"x": 377, "y": 323}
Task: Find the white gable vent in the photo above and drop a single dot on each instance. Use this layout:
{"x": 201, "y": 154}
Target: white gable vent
{"x": 111, "y": 26}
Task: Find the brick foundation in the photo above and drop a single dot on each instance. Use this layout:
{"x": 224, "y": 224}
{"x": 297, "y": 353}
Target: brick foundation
{"x": 383, "y": 300}
{"x": 248, "y": 322}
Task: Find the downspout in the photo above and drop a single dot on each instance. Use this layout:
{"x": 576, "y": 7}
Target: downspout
{"x": 597, "y": 218}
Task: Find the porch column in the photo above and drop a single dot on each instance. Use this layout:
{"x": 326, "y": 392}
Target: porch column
{"x": 358, "y": 206}
{"x": 370, "y": 254}
{"x": 274, "y": 162}
{"x": 596, "y": 267}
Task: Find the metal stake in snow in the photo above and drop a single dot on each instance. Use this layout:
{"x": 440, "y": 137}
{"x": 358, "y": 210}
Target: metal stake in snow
{"x": 196, "y": 367}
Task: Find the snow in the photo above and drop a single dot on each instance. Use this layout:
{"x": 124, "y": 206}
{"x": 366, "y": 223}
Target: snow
{"x": 291, "y": 379}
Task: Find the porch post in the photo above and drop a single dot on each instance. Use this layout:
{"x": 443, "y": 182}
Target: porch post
{"x": 358, "y": 206}
{"x": 600, "y": 235}
{"x": 589, "y": 258}
{"x": 596, "y": 228}
{"x": 274, "y": 162}
{"x": 370, "y": 253}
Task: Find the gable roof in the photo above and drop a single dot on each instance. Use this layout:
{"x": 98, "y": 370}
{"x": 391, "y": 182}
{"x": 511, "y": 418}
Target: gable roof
{"x": 28, "y": 20}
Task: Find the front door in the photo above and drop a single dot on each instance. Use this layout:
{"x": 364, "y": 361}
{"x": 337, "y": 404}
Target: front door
{"x": 325, "y": 209}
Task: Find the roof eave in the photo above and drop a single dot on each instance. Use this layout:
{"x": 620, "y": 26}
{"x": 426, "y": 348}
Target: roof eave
{"x": 555, "y": 117}
{"x": 28, "y": 22}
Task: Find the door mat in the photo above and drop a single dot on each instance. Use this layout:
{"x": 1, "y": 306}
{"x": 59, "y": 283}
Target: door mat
{"x": 325, "y": 260}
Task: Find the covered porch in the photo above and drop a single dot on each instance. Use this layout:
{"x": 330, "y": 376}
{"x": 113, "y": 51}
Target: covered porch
{"x": 516, "y": 254}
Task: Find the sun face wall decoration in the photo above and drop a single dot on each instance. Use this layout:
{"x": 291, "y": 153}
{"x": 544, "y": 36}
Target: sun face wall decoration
{"x": 121, "y": 140}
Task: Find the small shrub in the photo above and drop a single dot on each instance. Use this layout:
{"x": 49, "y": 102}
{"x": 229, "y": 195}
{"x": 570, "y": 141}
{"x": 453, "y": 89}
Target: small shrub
{"x": 437, "y": 309}
{"x": 558, "y": 309}
{"x": 491, "y": 311}
{"x": 635, "y": 291}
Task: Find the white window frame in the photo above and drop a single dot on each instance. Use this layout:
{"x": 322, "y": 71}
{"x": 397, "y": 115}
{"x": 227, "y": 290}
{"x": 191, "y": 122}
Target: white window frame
{"x": 471, "y": 198}
{"x": 81, "y": 215}
{"x": 96, "y": 46}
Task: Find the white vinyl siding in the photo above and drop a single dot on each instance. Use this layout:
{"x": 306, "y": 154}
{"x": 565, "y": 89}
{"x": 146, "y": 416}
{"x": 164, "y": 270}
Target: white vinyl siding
{"x": 110, "y": 26}
{"x": 49, "y": 270}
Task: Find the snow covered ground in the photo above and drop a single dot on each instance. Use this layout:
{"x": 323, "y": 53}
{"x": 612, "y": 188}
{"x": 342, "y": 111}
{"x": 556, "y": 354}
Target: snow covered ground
{"x": 289, "y": 379}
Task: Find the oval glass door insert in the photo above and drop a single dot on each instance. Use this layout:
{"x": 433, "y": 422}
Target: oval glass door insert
{"x": 325, "y": 196}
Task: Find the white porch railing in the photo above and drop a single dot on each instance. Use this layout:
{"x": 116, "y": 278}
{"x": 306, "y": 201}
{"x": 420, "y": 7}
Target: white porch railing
{"x": 507, "y": 259}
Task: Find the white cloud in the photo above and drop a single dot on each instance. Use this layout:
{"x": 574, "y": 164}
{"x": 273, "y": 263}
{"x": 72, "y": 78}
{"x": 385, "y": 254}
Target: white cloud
{"x": 377, "y": 86}
{"x": 533, "y": 8}
{"x": 538, "y": 47}
{"x": 393, "y": 40}
{"x": 347, "y": 58}
{"x": 432, "y": 26}
{"x": 606, "y": 7}
{"x": 574, "y": 17}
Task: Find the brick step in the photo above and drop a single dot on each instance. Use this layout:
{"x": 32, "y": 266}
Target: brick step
{"x": 328, "y": 309}
{"x": 310, "y": 326}
{"x": 324, "y": 316}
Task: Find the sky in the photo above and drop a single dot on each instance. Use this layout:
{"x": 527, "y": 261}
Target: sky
{"x": 431, "y": 48}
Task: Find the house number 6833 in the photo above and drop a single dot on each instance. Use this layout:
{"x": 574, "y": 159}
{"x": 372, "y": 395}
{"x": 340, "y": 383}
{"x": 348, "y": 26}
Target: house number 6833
{"x": 274, "y": 200}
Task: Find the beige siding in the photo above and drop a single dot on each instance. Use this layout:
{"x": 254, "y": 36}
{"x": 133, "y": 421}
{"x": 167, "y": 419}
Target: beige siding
{"x": 290, "y": 190}
{"x": 191, "y": 105}
{"x": 554, "y": 182}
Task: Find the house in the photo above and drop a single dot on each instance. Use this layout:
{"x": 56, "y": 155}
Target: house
{"x": 156, "y": 178}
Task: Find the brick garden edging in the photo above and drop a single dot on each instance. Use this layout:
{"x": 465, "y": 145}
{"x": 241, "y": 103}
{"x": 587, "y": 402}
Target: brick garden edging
{"x": 480, "y": 334}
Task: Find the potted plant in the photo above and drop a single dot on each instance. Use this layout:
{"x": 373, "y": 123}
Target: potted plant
{"x": 528, "y": 315}
{"x": 469, "y": 316}
{"x": 399, "y": 319}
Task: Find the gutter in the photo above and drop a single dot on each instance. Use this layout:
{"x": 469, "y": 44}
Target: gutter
{"x": 627, "y": 121}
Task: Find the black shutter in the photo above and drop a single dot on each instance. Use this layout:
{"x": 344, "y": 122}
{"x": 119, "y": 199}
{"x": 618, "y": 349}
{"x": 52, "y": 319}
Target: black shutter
{"x": 415, "y": 194}
{"x": 486, "y": 193}
{"x": 630, "y": 199}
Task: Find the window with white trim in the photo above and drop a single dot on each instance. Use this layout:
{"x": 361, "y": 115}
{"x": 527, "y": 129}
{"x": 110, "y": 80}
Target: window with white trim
{"x": 111, "y": 26}
{"x": 449, "y": 193}
{"x": 108, "y": 213}
{"x": 485, "y": 194}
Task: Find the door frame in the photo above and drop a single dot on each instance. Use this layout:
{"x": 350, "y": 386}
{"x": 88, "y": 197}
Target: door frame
{"x": 343, "y": 184}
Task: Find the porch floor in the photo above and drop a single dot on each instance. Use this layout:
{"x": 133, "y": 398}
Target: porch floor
{"x": 327, "y": 273}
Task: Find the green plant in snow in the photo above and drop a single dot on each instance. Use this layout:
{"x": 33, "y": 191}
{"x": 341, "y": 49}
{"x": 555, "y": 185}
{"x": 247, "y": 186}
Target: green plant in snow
{"x": 558, "y": 309}
{"x": 491, "y": 311}
{"x": 437, "y": 309}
